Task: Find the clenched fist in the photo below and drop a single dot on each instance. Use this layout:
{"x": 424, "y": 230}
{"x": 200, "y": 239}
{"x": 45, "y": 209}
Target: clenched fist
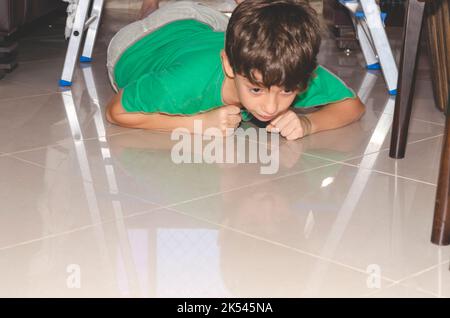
{"x": 226, "y": 119}
{"x": 290, "y": 125}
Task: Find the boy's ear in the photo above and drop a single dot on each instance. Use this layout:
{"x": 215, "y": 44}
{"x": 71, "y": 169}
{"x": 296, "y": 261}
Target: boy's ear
{"x": 226, "y": 64}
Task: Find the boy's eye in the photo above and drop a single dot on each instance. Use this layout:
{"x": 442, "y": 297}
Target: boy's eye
{"x": 287, "y": 92}
{"x": 255, "y": 90}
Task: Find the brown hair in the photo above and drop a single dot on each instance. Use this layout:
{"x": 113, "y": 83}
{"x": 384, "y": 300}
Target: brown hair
{"x": 279, "y": 38}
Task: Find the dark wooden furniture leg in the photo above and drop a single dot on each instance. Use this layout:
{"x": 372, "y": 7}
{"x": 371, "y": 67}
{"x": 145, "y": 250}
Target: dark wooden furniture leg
{"x": 8, "y": 55}
{"x": 441, "y": 222}
{"x": 407, "y": 72}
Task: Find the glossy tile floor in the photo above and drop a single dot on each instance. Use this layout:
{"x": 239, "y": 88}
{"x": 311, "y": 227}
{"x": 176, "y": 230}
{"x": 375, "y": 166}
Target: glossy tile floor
{"x": 91, "y": 209}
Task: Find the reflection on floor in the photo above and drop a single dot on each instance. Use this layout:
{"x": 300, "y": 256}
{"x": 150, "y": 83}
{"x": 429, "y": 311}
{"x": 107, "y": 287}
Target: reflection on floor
{"x": 92, "y": 209}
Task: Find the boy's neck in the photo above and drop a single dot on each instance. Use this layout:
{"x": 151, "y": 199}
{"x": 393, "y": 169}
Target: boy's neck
{"x": 229, "y": 92}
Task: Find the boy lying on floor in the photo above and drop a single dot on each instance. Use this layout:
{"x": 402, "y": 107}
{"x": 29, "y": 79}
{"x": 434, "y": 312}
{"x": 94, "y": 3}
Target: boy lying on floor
{"x": 178, "y": 65}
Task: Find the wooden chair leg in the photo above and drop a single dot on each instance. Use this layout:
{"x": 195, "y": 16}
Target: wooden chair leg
{"x": 407, "y": 72}
{"x": 441, "y": 222}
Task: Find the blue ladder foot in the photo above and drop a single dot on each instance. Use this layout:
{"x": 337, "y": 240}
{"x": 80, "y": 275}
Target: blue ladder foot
{"x": 85, "y": 59}
{"x": 374, "y": 66}
{"x": 361, "y": 15}
{"x": 64, "y": 83}
{"x": 393, "y": 92}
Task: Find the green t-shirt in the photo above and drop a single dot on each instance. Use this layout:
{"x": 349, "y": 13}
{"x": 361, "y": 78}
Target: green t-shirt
{"x": 177, "y": 69}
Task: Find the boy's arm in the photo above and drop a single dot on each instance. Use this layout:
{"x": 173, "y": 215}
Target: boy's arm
{"x": 330, "y": 116}
{"x": 336, "y": 115}
{"x": 221, "y": 118}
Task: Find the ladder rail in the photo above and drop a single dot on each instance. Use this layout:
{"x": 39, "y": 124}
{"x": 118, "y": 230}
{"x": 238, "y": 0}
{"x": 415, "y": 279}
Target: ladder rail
{"x": 92, "y": 32}
{"x": 373, "y": 39}
{"x": 82, "y": 24}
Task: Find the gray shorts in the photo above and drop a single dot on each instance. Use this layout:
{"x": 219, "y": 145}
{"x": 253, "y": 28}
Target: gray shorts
{"x": 135, "y": 31}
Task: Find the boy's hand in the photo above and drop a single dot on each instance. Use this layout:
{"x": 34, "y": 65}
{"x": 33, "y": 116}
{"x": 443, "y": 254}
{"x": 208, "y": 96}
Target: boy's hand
{"x": 222, "y": 118}
{"x": 288, "y": 125}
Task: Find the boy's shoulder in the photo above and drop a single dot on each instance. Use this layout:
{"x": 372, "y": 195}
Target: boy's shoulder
{"x": 324, "y": 87}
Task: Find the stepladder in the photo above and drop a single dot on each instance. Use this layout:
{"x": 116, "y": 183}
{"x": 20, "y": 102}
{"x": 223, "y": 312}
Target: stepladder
{"x": 85, "y": 26}
{"x": 368, "y": 21}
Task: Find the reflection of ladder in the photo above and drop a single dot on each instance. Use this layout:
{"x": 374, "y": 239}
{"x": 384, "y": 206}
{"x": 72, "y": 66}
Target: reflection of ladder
{"x": 369, "y": 25}
{"x": 80, "y": 25}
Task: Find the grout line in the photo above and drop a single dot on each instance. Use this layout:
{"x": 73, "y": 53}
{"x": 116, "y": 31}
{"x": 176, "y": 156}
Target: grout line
{"x": 51, "y": 236}
{"x": 29, "y": 85}
{"x": 369, "y": 295}
{"x": 67, "y": 141}
{"x": 389, "y": 174}
{"x": 237, "y": 188}
{"x": 430, "y": 122}
{"x": 78, "y": 229}
{"x": 374, "y": 152}
{"x": 126, "y": 131}
{"x": 422, "y": 271}
{"x": 386, "y": 149}
{"x": 417, "y": 119}
{"x": 345, "y": 163}
{"x": 62, "y": 58}
{"x": 424, "y": 139}
{"x": 28, "y": 162}
{"x": 401, "y": 281}
{"x": 6, "y": 247}
{"x": 24, "y": 97}
{"x": 30, "y": 149}
{"x": 13, "y": 153}
{"x": 329, "y": 260}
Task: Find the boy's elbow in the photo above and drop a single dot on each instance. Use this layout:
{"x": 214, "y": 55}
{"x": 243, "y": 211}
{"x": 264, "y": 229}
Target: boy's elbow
{"x": 358, "y": 109}
{"x": 110, "y": 115}
{"x": 113, "y": 109}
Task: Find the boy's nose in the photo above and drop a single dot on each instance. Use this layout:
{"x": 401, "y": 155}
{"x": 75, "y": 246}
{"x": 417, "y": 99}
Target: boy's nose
{"x": 270, "y": 107}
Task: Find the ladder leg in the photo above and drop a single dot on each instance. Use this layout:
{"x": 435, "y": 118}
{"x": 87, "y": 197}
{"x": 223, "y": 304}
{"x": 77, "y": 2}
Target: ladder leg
{"x": 363, "y": 36}
{"x": 366, "y": 47}
{"x": 366, "y": 86}
{"x": 381, "y": 43}
{"x": 91, "y": 35}
{"x": 74, "y": 43}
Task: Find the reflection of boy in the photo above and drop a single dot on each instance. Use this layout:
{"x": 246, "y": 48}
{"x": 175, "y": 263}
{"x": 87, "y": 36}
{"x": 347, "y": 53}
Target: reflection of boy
{"x": 249, "y": 266}
{"x": 255, "y": 268}
{"x": 182, "y": 72}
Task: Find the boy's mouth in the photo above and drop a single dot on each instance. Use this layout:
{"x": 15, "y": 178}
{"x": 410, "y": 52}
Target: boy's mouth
{"x": 264, "y": 118}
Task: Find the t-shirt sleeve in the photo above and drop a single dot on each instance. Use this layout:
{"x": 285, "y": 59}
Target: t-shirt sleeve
{"x": 324, "y": 87}
{"x": 171, "y": 91}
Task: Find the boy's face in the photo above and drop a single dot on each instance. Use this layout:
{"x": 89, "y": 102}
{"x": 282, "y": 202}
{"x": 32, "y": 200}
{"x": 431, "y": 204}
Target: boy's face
{"x": 262, "y": 102}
